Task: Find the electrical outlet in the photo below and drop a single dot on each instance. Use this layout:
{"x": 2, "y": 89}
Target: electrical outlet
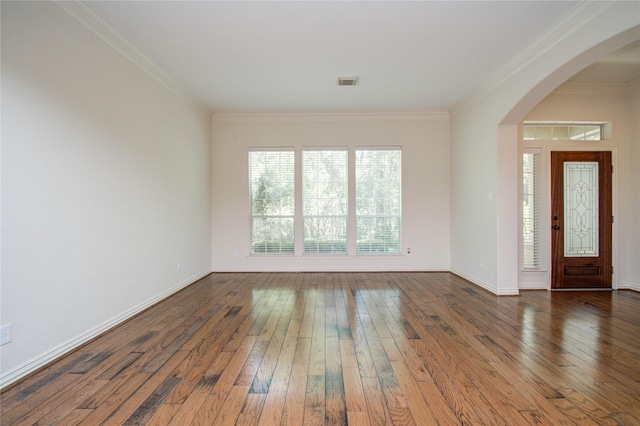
{"x": 5, "y": 334}
{"x": 408, "y": 250}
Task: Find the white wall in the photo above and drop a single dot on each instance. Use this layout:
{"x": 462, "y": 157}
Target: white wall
{"x": 105, "y": 186}
{"x": 630, "y": 274}
{"x": 608, "y": 103}
{"x": 484, "y": 139}
{"x": 425, "y": 184}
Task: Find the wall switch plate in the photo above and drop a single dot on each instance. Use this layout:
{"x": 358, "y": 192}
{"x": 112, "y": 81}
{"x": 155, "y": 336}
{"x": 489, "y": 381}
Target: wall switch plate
{"x": 178, "y": 266}
{"x": 5, "y": 334}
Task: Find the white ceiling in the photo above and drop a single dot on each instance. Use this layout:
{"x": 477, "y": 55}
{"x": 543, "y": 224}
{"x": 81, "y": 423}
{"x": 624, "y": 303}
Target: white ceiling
{"x": 270, "y": 56}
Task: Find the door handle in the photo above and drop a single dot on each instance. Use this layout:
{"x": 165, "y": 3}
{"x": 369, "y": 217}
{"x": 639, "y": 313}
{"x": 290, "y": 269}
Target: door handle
{"x": 556, "y": 227}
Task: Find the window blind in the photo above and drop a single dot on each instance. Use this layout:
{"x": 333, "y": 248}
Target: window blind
{"x": 378, "y": 201}
{"x": 324, "y": 201}
{"x": 531, "y": 211}
{"x": 272, "y": 190}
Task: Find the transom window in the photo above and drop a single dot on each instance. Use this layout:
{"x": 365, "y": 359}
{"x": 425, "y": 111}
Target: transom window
{"x": 563, "y": 131}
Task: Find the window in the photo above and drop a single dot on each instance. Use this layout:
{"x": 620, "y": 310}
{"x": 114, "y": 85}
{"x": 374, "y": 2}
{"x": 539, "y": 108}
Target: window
{"x": 271, "y": 185}
{"x": 563, "y": 131}
{"x": 378, "y": 201}
{"x": 340, "y": 196}
{"x": 324, "y": 201}
{"x": 531, "y": 211}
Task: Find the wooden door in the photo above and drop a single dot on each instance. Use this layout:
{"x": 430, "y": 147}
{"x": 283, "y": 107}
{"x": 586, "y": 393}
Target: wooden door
{"x": 581, "y": 220}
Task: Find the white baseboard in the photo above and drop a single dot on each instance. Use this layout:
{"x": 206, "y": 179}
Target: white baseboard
{"x": 629, "y": 286}
{"x": 333, "y": 268}
{"x": 40, "y": 361}
{"x": 489, "y": 287}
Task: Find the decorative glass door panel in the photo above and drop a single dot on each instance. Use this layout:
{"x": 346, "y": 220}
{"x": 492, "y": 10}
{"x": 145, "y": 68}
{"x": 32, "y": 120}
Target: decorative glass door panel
{"x": 581, "y": 220}
{"x": 581, "y": 209}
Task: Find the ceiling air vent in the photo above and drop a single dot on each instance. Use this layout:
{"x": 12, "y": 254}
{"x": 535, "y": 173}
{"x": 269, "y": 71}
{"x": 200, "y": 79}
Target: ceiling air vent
{"x": 347, "y": 81}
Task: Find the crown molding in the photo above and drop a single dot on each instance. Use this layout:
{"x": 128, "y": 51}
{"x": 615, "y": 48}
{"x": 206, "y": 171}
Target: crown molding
{"x": 578, "y": 17}
{"x": 90, "y": 19}
{"x": 398, "y": 116}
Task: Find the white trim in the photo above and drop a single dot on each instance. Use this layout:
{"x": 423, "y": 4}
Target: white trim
{"x": 578, "y": 17}
{"x": 484, "y": 285}
{"x": 86, "y": 16}
{"x": 329, "y": 117}
{"x": 43, "y": 359}
{"x": 332, "y": 268}
{"x": 628, "y": 286}
{"x": 271, "y": 148}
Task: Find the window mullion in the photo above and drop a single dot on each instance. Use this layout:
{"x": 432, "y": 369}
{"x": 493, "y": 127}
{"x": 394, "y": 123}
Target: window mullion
{"x": 299, "y": 221}
{"x": 351, "y": 205}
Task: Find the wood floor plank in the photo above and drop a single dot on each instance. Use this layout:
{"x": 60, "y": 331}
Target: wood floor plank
{"x": 203, "y": 406}
{"x": 335, "y": 405}
{"x": 437, "y": 404}
{"x": 123, "y": 401}
{"x": 376, "y": 405}
{"x": 349, "y": 348}
{"x": 273, "y": 403}
{"x": 232, "y": 405}
{"x": 75, "y": 417}
{"x": 422, "y": 415}
{"x": 569, "y": 411}
{"x": 588, "y": 407}
{"x": 200, "y": 358}
{"x": 358, "y": 418}
{"x": 66, "y": 403}
{"x": 294, "y": 404}
{"x": 50, "y": 380}
{"x": 264, "y": 374}
{"x": 200, "y": 392}
{"x": 150, "y": 405}
{"x": 314, "y": 401}
{"x": 251, "y": 410}
{"x": 318, "y": 341}
{"x": 450, "y": 390}
{"x": 163, "y": 415}
{"x": 15, "y": 413}
{"x": 252, "y": 363}
{"x": 353, "y": 390}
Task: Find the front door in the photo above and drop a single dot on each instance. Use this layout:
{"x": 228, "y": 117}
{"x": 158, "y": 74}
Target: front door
{"x": 581, "y": 220}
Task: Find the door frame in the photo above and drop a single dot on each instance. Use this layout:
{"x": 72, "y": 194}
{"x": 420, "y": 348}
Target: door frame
{"x": 614, "y": 205}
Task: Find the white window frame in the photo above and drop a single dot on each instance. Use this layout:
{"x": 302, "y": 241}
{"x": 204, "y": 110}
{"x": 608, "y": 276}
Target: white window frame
{"x": 335, "y": 245}
{"x": 253, "y": 216}
{"x": 299, "y": 214}
{"x": 537, "y": 219}
{"x": 397, "y": 216}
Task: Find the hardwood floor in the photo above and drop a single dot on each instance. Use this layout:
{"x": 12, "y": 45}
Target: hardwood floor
{"x": 350, "y": 348}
